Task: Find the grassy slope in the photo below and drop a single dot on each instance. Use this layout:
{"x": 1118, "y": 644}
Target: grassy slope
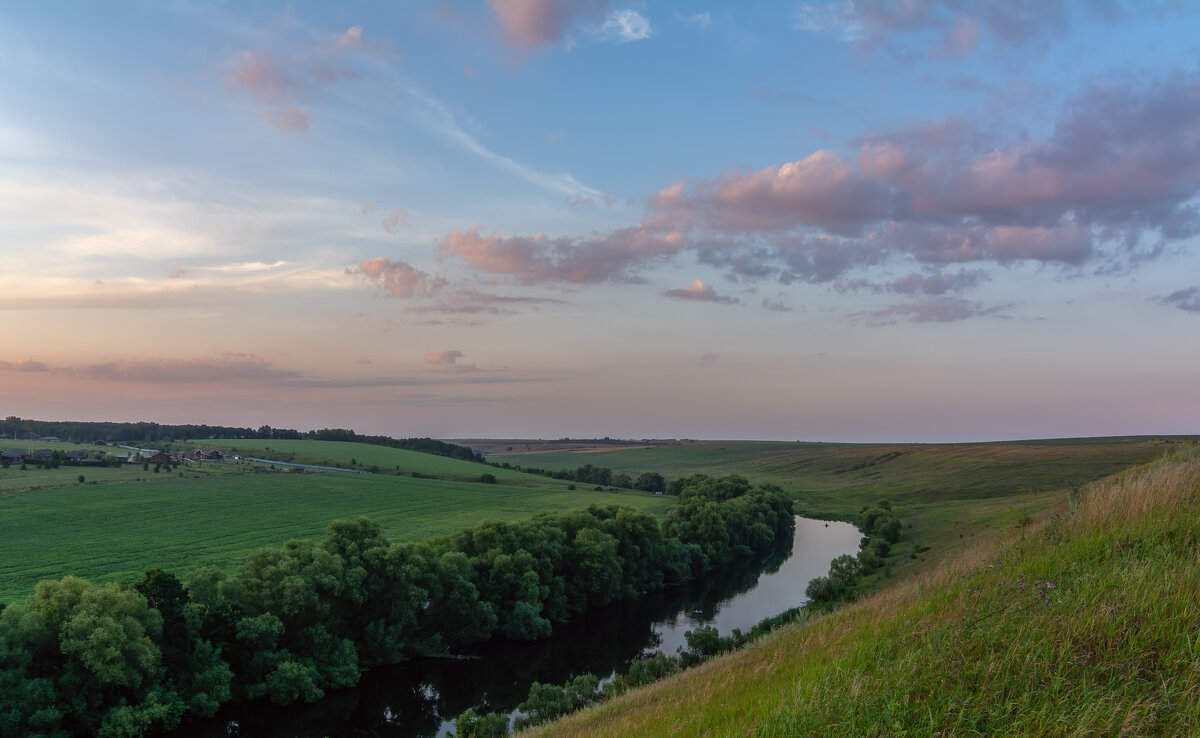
{"x": 981, "y": 645}
{"x": 129, "y": 520}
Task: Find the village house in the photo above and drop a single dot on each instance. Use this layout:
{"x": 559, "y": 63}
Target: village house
{"x": 206, "y": 454}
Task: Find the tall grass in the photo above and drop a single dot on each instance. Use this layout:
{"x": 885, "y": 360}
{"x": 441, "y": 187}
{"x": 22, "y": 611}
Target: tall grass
{"x": 1086, "y": 622}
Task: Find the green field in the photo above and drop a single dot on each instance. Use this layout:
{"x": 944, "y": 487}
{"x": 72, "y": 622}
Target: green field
{"x": 364, "y": 456}
{"x": 948, "y": 493}
{"x": 126, "y": 520}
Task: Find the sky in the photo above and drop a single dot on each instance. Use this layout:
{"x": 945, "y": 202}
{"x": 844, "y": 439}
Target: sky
{"x": 853, "y": 220}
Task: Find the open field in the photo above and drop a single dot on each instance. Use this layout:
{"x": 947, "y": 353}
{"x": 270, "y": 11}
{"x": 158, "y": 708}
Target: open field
{"x": 125, "y": 520}
{"x": 131, "y": 520}
{"x": 1082, "y": 624}
{"x": 364, "y": 456}
{"x": 948, "y": 493}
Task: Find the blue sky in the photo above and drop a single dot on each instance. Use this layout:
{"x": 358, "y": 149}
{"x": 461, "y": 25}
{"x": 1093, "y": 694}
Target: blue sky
{"x": 925, "y": 220}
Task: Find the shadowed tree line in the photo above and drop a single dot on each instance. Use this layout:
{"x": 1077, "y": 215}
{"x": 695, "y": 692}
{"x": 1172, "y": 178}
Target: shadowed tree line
{"x": 296, "y": 620}
{"x": 157, "y": 433}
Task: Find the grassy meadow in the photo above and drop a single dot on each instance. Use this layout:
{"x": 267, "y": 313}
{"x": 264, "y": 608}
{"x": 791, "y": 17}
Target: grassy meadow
{"x": 950, "y": 494}
{"x": 1079, "y": 623}
{"x": 125, "y": 520}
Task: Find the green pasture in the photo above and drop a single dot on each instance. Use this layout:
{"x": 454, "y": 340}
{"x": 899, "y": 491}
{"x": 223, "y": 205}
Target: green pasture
{"x": 948, "y": 493}
{"x": 364, "y": 456}
{"x": 214, "y": 515}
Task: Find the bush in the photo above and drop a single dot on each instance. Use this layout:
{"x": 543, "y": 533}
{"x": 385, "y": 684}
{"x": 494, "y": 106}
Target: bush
{"x": 487, "y": 478}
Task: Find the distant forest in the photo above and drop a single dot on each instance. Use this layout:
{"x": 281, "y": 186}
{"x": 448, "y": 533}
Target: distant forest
{"x": 150, "y": 433}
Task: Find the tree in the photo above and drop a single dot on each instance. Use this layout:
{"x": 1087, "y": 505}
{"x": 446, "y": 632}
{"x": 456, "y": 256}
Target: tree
{"x": 650, "y": 482}
{"x": 471, "y": 724}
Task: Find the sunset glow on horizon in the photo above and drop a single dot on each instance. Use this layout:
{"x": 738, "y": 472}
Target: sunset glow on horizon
{"x": 838, "y": 221}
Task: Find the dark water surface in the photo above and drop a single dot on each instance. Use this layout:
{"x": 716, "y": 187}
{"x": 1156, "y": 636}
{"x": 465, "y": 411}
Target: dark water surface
{"x": 421, "y": 698}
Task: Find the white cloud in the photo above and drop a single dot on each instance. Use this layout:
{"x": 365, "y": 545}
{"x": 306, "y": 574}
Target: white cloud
{"x": 626, "y": 25}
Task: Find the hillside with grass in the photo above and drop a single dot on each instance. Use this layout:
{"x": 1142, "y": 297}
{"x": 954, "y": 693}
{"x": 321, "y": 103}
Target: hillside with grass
{"x": 1081, "y": 621}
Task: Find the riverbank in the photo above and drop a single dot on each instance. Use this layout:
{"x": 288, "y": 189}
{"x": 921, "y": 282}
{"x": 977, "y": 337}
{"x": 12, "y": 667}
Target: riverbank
{"x": 1078, "y": 622}
{"x": 421, "y": 698}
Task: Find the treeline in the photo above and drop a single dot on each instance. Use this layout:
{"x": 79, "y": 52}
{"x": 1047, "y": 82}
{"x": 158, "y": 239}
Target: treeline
{"x": 156, "y": 433}
{"x": 58, "y": 458}
{"x": 598, "y": 475}
{"x": 296, "y": 620}
{"x": 546, "y": 702}
{"x": 425, "y": 445}
{"x": 882, "y": 529}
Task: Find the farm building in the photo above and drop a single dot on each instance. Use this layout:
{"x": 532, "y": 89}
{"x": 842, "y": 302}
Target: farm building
{"x": 206, "y": 454}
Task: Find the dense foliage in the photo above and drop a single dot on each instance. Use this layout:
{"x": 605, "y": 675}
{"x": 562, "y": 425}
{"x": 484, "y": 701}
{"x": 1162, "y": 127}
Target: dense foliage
{"x": 882, "y": 529}
{"x": 296, "y": 620}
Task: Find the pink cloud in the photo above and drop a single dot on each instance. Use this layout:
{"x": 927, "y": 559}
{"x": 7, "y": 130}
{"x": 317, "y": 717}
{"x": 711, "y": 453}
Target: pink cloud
{"x": 24, "y": 365}
{"x": 258, "y": 74}
{"x": 276, "y": 82}
{"x": 398, "y": 279}
{"x": 698, "y": 291}
{"x": 822, "y": 190}
{"x": 538, "y": 258}
{"x": 351, "y": 38}
{"x": 177, "y": 274}
{"x": 963, "y": 37}
{"x": 368, "y": 208}
{"x": 290, "y": 119}
{"x": 228, "y": 366}
{"x": 1120, "y": 167}
{"x": 530, "y": 24}
{"x": 397, "y": 217}
{"x": 448, "y": 358}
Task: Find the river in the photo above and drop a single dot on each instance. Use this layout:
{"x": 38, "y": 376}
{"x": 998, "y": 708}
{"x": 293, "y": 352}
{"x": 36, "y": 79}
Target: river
{"x": 421, "y": 698}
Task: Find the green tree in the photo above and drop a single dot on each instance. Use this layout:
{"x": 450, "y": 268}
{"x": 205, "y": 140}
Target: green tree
{"x": 470, "y": 724}
{"x": 650, "y": 482}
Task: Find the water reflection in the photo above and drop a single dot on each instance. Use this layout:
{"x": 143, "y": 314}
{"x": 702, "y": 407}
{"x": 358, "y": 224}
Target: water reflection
{"x": 421, "y": 698}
